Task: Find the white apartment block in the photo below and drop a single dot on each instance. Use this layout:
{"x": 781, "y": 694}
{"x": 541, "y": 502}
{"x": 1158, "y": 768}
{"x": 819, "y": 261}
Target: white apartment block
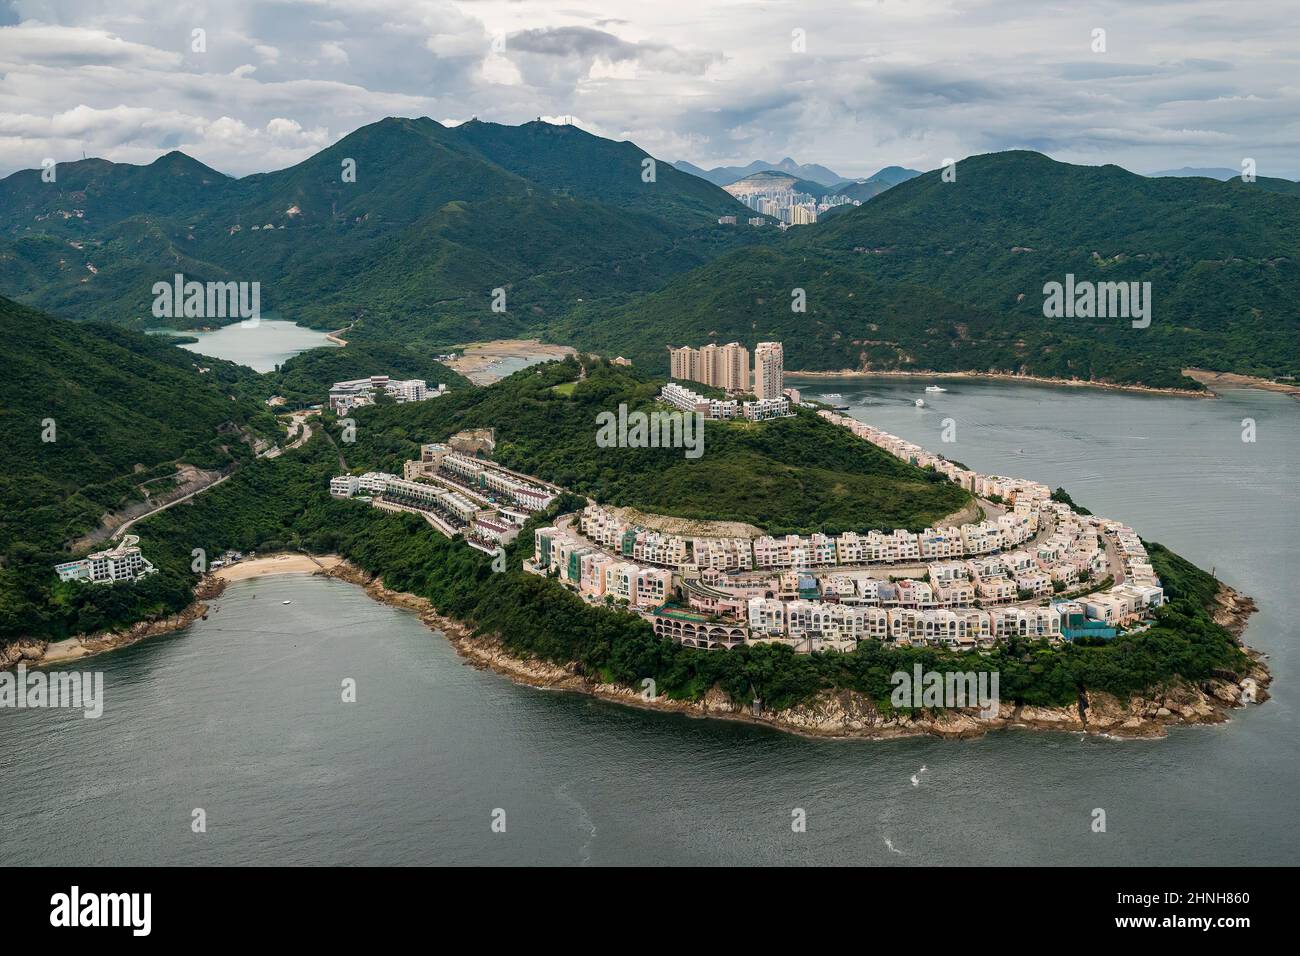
{"x": 344, "y": 486}
{"x": 373, "y": 482}
{"x": 121, "y": 563}
{"x": 727, "y": 554}
{"x": 1031, "y": 622}
{"x": 766, "y": 409}
{"x": 361, "y": 391}
{"x": 940, "y": 543}
{"x": 681, "y": 397}
{"x": 949, "y": 572}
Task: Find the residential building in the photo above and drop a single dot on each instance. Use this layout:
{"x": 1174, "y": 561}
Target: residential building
{"x": 344, "y": 486}
{"x": 769, "y": 370}
{"x": 767, "y": 408}
{"x": 354, "y": 393}
{"x": 124, "y": 562}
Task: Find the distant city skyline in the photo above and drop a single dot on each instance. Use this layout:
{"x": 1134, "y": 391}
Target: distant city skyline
{"x": 1179, "y": 83}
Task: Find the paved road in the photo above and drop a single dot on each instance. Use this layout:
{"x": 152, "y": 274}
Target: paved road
{"x": 123, "y": 528}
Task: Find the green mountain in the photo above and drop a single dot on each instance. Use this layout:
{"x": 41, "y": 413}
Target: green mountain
{"x": 927, "y": 275}
{"x": 950, "y": 275}
{"x": 434, "y": 220}
{"x": 570, "y": 162}
{"x": 91, "y": 194}
{"x": 92, "y": 412}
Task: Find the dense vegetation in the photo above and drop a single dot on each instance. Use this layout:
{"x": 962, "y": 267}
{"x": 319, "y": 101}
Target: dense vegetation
{"x": 123, "y": 409}
{"x": 926, "y": 275}
{"x": 305, "y": 379}
{"x": 798, "y": 474}
{"x": 434, "y": 220}
{"x": 935, "y": 275}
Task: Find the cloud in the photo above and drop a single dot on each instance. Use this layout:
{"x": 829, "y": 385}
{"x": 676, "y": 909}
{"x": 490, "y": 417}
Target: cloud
{"x": 712, "y": 81}
{"x": 585, "y": 45}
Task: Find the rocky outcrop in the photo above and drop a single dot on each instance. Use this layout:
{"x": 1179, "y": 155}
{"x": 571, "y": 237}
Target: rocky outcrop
{"x": 845, "y": 713}
{"x": 86, "y": 645}
{"x": 24, "y": 650}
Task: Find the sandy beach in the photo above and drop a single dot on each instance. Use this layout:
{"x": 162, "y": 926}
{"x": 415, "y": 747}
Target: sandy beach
{"x": 476, "y": 360}
{"x": 277, "y": 564}
{"x": 1213, "y": 380}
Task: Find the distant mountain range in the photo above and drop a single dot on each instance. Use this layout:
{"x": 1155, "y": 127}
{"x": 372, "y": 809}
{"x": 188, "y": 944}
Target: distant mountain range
{"x": 859, "y": 189}
{"x": 770, "y": 179}
{"x": 812, "y": 179}
{"x": 726, "y": 175}
{"x": 872, "y": 186}
{"x": 1224, "y": 174}
{"x": 596, "y": 244}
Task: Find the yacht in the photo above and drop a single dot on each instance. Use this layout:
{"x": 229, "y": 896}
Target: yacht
{"x": 831, "y": 395}
{"x": 935, "y": 388}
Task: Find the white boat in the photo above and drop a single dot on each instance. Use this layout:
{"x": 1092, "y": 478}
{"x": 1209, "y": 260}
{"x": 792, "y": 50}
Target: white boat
{"x": 935, "y": 388}
{"x": 832, "y": 395}
{"x": 920, "y": 403}
{"x": 286, "y": 602}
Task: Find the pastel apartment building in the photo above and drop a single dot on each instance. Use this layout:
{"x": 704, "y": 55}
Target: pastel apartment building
{"x": 721, "y": 366}
{"x": 769, "y": 370}
{"x": 596, "y": 574}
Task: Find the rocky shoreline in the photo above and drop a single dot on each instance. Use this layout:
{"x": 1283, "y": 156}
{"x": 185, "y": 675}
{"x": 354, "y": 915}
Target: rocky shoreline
{"x": 847, "y": 714}
{"x": 41, "y": 653}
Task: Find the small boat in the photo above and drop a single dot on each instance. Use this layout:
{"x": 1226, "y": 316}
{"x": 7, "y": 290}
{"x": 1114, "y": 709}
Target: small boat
{"x": 935, "y": 388}
{"x": 286, "y": 602}
{"x": 831, "y": 395}
{"x": 920, "y": 403}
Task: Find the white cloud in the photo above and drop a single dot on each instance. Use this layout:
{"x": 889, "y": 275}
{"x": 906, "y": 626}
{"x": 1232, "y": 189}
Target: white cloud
{"x": 712, "y": 81}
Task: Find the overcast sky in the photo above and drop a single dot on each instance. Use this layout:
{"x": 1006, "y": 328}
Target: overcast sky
{"x": 877, "y": 82}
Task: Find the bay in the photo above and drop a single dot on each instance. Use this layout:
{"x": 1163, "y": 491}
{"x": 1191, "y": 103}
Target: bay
{"x": 242, "y": 714}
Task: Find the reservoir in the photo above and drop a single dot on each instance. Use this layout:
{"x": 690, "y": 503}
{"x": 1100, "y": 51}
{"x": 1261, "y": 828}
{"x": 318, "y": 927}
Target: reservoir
{"x": 242, "y": 715}
{"x": 261, "y": 347}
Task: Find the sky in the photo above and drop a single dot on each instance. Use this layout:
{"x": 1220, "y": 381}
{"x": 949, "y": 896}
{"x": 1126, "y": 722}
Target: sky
{"x": 854, "y": 86}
